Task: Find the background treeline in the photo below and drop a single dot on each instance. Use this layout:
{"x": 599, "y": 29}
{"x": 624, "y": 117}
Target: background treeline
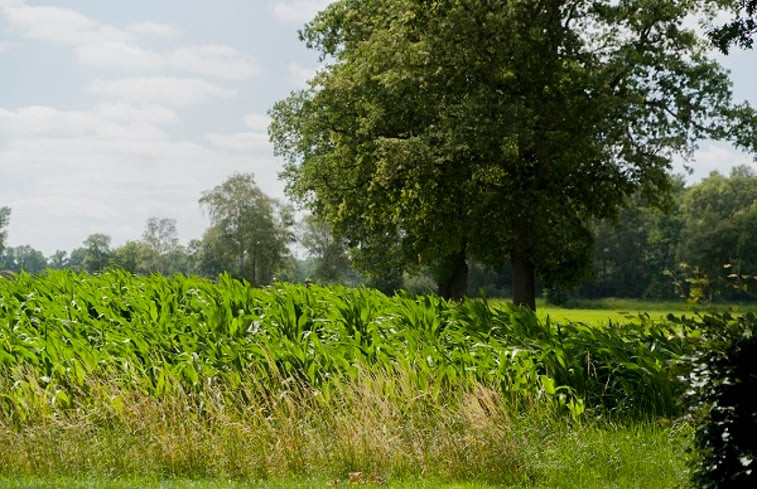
{"x": 705, "y": 226}
{"x": 638, "y": 254}
{"x": 650, "y": 245}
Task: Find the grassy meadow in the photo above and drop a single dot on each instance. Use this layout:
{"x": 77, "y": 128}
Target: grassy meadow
{"x": 601, "y": 311}
{"x": 600, "y": 317}
{"x": 122, "y": 381}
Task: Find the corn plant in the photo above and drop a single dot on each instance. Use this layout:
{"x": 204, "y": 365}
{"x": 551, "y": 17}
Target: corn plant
{"x": 63, "y": 332}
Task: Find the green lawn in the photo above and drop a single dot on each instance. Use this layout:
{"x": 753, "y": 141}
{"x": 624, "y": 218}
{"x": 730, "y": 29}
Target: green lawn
{"x": 599, "y": 312}
{"x": 600, "y": 316}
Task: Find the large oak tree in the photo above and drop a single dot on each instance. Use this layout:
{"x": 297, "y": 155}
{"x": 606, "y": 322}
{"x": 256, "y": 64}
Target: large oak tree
{"x": 442, "y": 130}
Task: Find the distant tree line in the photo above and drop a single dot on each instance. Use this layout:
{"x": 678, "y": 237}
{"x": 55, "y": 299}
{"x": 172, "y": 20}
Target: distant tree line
{"x": 705, "y": 226}
{"x": 707, "y": 230}
{"x": 249, "y": 237}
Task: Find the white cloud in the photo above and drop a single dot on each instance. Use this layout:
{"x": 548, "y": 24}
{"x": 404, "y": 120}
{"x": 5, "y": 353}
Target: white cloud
{"x": 256, "y": 138}
{"x": 214, "y": 60}
{"x": 713, "y": 156}
{"x": 103, "y": 120}
{"x": 221, "y": 61}
{"x": 110, "y": 165}
{"x": 103, "y": 45}
{"x": 7, "y": 46}
{"x": 299, "y": 11}
{"x": 299, "y": 75}
{"x": 150, "y": 28}
{"x": 257, "y": 122}
{"x": 112, "y": 185}
{"x": 61, "y": 25}
{"x": 42, "y": 119}
{"x": 63, "y": 206}
{"x": 150, "y": 114}
{"x": 119, "y": 131}
{"x": 94, "y": 43}
{"x": 239, "y": 141}
{"x": 162, "y": 89}
{"x": 118, "y": 55}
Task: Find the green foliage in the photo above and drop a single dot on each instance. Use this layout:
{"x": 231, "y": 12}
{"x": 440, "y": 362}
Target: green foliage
{"x": 723, "y": 404}
{"x": 58, "y": 260}
{"x": 488, "y": 281}
{"x": 739, "y": 30}
{"x": 161, "y": 235}
{"x": 5, "y": 213}
{"x": 24, "y": 258}
{"x": 632, "y": 250}
{"x": 418, "y": 283}
{"x": 249, "y": 231}
{"x": 185, "y": 376}
{"x": 136, "y": 257}
{"x": 76, "y": 259}
{"x": 148, "y": 333}
{"x": 497, "y": 129}
{"x": 556, "y": 296}
{"x": 556, "y": 456}
{"x": 697, "y": 287}
{"x": 720, "y": 223}
{"x": 94, "y": 256}
{"x": 163, "y": 240}
{"x": 332, "y": 266}
{"x": 705, "y": 226}
{"x": 158, "y": 251}
{"x": 97, "y": 252}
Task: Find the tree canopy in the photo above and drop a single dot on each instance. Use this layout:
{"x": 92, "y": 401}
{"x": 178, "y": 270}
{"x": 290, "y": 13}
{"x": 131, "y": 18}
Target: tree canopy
{"x": 5, "y": 214}
{"x": 739, "y": 30}
{"x": 720, "y": 216}
{"x": 497, "y": 130}
{"x": 137, "y": 257}
{"x": 97, "y": 252}
{"x": 161, "y": 235}
{"x": 23, "y": 258}
{"x": 633, "y": 251}
{"x": 249, "y": 230}
{"x": 332, "y": 265}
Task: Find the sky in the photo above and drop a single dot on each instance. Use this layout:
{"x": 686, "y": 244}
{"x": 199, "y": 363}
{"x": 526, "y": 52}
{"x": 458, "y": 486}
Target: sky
{"x": 112, "y": 112}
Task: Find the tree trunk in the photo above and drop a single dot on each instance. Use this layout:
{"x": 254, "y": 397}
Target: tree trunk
{"x": 523, "y": 284}
{"x": 452, "y": 277}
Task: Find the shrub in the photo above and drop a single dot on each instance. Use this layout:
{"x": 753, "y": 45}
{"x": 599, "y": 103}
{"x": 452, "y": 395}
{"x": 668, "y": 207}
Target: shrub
{"x": 556, "y": 295}
{"x": 724, "y": 404}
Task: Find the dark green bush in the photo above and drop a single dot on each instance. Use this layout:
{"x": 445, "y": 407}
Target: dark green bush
{"x": 556, "y": 296}
{"x": 724, "y": 403}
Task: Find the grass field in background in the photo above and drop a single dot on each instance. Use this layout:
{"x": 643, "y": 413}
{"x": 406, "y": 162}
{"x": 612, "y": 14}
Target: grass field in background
{"x": 600, "y": 317}
{"x": 600, "y": 311}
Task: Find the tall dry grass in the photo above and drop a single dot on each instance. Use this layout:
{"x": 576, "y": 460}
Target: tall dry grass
{"x": 376, "y": 423}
